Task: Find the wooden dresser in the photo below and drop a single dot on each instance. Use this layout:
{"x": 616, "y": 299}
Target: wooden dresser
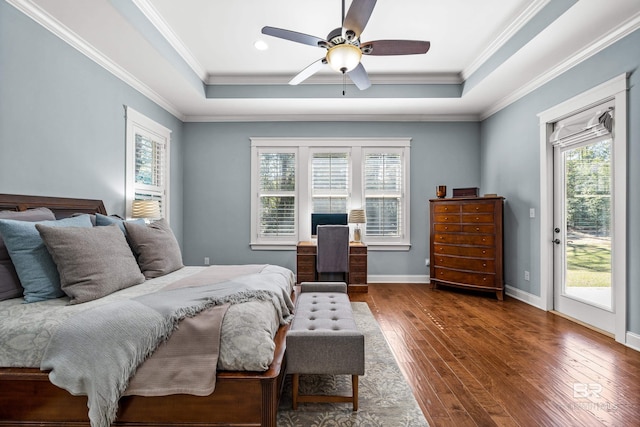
{"x": 466, "y": 243}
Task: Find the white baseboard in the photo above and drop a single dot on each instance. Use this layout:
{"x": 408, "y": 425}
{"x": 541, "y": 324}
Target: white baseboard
{"x": 633, "y": 341}
{"x": 392, "y": 278}
{"x": 523, "y": 296}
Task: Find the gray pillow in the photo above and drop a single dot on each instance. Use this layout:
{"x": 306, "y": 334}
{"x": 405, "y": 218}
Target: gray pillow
{"x": 9, "y": 283}
{"x": 102, "y": 220}
{"x": 155, "y": 247}
{"x": 92, "y": 262}
{"x": 35, "y": 267}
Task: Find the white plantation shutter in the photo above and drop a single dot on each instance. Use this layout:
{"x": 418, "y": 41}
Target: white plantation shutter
{"x": 329, "y": 182}
{"x": 150, "y": 169}
{"x": 383, "y": 191}
{"x": 277, "y": 186}
{"x": 147, "y": 161}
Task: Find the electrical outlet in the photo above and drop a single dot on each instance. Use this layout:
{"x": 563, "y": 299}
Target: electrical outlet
{"x": 532, "y": 212}
{"x": 206, "y": 260}
{"x": 526, "y": 275}
{"x": 426, "y": 262}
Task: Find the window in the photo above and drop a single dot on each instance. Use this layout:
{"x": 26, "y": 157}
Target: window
{"x": 329, "y": 182}
{"x": 277, "y": 195}
{"x": 292, "y": 178}
{"x": 383, "y": 191}
{"x": 147, "y": 161}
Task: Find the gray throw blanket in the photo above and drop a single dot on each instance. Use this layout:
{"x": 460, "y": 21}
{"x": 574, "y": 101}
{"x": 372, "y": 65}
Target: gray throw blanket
{"x": 96, "y": 352}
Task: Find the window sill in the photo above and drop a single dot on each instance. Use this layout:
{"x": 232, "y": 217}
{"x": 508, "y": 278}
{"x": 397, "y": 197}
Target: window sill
{"x": 380, "y": 246}
{"x": 283, "y": 246}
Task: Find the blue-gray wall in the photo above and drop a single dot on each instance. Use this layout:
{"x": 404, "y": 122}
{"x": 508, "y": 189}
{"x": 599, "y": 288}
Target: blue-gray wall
{"x": 62, "y": 125}
{"x": 511, "y": 164}
{"x": 217, "y": 185}
{"x": 62, "y": 133}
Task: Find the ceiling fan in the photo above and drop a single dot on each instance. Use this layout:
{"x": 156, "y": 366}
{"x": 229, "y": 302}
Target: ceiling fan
{"x": 344, "y": 48}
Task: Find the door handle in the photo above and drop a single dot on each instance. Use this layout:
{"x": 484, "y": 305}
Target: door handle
{"x": 556, "y": 241}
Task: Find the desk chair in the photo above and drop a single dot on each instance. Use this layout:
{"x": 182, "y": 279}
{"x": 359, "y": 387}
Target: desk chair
{"x": 333, "y": 253}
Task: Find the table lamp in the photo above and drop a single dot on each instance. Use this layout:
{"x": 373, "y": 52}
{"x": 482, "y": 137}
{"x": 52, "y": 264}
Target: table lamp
{"x": 357, "y": 216}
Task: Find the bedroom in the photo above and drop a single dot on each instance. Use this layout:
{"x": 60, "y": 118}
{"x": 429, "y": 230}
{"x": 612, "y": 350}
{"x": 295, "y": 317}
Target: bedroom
{"x": 61, "y": 115}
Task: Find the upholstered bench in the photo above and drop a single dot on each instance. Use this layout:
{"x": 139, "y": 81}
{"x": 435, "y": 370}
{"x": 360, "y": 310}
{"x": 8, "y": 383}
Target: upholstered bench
{"x": 323, "y": 339}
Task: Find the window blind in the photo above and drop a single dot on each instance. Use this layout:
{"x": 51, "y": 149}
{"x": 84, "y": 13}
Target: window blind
{"x": 383, "y": 178}
{"x": 277, "y": 179}
{"x": 583, "y": 126}
{"x": 150, "y": 170}
{"x": 329, "y": 182}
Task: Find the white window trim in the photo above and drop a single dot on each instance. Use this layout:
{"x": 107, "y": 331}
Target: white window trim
{"x": 139, "y": 123}
{"x": 306, "y": 146}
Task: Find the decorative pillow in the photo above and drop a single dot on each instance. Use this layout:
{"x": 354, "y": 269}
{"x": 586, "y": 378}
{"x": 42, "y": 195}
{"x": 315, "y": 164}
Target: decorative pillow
{"x": 156, "y": 248}
{"x": 9, "y": 283}
{"x": 108, "y": 220}
{"x": 35, "y": 267}
{"x": 92, "y": 262}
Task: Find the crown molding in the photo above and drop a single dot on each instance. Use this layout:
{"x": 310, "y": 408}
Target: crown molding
{"x": 334, "y": 118}
{"x": 154, "y": 17}
{"x": 35, "y": 12}
{"x": 615, "y": 35}
{"x": 514, "y": 26}
{"x": 333, "y": 78}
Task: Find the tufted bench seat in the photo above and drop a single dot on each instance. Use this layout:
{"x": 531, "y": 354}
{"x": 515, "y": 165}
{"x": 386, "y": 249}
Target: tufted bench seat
{"x": 323, "y": 339}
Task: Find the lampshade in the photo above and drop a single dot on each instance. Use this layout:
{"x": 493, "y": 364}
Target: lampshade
{"x": 357, "y": 216}
{"x": 145, "y": 209}
{"x": 344, "y": 57}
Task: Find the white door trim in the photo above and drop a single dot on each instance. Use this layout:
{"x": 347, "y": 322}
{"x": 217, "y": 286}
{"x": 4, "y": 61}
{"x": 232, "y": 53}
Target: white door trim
{"x": 616, "y": 89}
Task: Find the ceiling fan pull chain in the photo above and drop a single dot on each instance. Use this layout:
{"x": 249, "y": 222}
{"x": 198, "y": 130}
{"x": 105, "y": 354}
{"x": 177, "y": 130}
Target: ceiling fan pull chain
{"x": 344, "y": 83}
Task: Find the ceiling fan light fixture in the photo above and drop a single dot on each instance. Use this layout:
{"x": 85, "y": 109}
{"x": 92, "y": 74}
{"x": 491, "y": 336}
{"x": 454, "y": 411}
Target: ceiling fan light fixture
{"x": 344, "y": 57}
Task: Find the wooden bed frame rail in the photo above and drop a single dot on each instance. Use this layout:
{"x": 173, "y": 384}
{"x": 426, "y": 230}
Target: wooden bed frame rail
{"x": 27, "y": 398}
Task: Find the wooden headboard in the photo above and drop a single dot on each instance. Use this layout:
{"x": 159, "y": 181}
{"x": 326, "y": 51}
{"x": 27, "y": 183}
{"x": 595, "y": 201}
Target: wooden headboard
{"x": 62, "y": 207}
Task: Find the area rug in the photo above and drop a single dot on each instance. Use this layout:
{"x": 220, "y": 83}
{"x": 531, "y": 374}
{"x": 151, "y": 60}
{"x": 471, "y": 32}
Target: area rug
{"x": 385, "y": 398}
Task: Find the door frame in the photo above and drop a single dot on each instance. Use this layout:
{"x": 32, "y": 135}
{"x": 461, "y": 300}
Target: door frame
{"x": 615, "y": 89}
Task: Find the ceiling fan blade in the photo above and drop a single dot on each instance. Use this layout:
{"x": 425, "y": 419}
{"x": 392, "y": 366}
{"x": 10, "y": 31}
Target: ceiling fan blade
{"x": 395, "y": 47}
{"x": 357, "y": 18}
{"x": 309, "y": 71}
{"x": 359, "y": 77}
{"x": 293, "y": 36}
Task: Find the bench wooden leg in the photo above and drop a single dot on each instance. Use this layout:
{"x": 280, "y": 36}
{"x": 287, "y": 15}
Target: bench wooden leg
{"x": 354, "y": 391}
{"x": 295, "y": 384}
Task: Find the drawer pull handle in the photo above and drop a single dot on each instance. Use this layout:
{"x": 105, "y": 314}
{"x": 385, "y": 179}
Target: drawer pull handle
{"x": 446, "y": 228}
{"x": 477, "y": 218}
{"x": 477, "y": 208}
{"x": 446, "y": 218}
{"x": 484, "y": 265}
{"x": 477, "y": 228}
{"x": 484, "y": 240}
{"x": 484, "y": 252}
{"x": 484, "y": 278}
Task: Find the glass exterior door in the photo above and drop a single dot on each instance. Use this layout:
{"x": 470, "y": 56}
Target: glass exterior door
{"x": 583, "y": 287}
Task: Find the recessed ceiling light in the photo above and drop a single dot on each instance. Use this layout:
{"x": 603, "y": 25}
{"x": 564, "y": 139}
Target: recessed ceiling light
{"x": 261, "y": 45}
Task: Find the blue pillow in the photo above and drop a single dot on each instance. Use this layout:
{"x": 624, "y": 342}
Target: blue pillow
{"x": 108, "y": 220}
{"x": 36, "y": 270}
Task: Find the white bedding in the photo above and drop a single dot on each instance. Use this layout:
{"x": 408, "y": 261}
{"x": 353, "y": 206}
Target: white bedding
{"x": 25, "y": 329}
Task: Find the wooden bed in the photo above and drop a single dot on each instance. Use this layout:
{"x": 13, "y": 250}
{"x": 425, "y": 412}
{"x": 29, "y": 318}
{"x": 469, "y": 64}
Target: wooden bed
{"x": 27, "y": 398}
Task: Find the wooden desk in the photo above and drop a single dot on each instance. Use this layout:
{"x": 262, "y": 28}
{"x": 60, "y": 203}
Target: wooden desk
{"x": 357, "y": 276}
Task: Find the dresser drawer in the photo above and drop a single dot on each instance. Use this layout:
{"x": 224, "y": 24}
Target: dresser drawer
{"x": 358, "y": 250}
{"x": 447, "y": 208}
{"x": 470, "y": 251}
{"x": 306, "y": 250}
{"x": 464, "y": 278}
{"x": 461, "y": 263}
{"x": 478, "y": 207}
{"x": 452, "y": 228}
{"x": 479, "y": 228}
{"x": 446, "y": 218}
{"x": 486, "y": 218}
{"x": 465, "y": 239}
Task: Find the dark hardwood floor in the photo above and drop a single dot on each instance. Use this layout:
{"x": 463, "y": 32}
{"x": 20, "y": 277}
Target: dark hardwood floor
{"x": 472, "y": 360}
